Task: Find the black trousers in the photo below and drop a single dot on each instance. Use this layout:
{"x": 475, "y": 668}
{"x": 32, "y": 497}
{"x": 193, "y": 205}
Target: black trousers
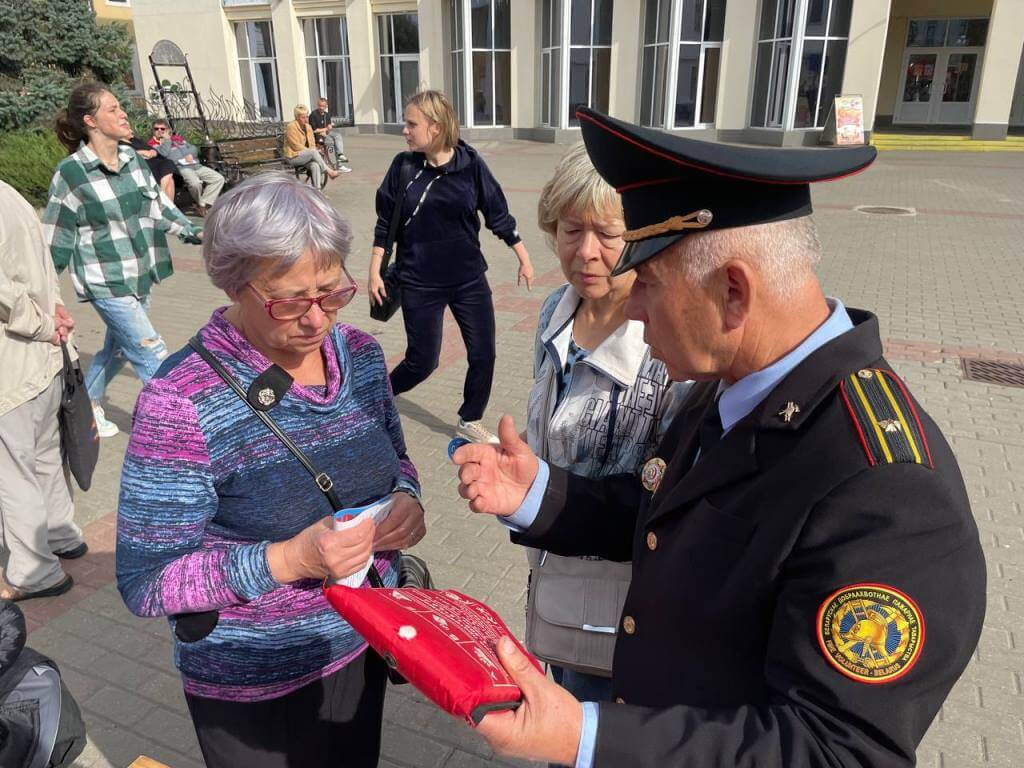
{"x": 335, "y": 721}
{"x": 423, "y": 314}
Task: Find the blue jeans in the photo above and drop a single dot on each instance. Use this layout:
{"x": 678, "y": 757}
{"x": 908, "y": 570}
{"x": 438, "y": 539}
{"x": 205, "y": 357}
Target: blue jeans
{"x": 130, "y": 337}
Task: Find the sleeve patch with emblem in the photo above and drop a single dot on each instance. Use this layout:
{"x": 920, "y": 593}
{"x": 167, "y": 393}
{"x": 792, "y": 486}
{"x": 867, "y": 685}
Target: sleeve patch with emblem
{"x": 872, "y": 633}
{"x": 885, "y": 418}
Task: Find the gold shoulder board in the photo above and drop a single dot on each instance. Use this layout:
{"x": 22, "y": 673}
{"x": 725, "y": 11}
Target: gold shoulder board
{"x": 885, "y": 418}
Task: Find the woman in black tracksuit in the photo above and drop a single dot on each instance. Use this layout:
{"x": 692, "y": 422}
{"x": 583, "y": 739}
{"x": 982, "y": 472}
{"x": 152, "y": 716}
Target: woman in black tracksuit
{"x": 439, "y": 260}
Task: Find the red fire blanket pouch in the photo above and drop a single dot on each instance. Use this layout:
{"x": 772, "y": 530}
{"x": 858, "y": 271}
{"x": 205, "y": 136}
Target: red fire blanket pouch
{"x": 441, "y": 641}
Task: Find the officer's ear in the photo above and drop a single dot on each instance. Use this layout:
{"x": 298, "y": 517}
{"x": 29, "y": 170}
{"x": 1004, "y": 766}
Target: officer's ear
{"x": 739, "y": 287}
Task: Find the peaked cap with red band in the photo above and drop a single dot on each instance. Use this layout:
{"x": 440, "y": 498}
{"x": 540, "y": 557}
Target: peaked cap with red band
{"x": 672, "y": 185}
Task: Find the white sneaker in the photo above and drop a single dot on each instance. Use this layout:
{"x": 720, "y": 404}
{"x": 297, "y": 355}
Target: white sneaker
{"x": 476, "y": 432}
{"x": 104, "y": 428}
{"x": 342, "y": 158}
{"x": 344, "y": 169}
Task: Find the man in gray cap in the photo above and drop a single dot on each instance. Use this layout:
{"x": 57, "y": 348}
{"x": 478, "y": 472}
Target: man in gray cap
{"x": 808, "y": 582}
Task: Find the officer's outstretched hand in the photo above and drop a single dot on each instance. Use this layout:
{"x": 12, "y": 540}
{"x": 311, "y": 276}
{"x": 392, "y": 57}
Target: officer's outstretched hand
{"x": 547, "y": 725}
{"x": 496, "y": 478}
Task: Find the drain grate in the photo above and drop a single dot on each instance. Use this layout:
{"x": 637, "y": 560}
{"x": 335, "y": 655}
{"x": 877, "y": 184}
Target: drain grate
{"x": 993, "y": 372}
{"x": 885, "y": 210}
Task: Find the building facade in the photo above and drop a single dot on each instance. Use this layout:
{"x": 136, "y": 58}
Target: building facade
{"x": 762, "y": 71}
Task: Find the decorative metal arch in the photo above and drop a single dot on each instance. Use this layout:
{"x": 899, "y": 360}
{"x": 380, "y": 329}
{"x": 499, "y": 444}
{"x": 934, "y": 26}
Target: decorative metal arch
{"x": 166, "y": 53}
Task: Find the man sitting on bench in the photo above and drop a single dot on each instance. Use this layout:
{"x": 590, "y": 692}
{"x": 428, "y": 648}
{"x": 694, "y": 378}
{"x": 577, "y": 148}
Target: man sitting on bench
{"x": 203, "y": 183}
{"x": 328, "y": 135}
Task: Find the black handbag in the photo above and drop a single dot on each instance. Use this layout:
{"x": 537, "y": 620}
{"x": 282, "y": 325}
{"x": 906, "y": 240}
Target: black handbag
{"x": 386, "y": 309}
{"x": 79, "y": 439}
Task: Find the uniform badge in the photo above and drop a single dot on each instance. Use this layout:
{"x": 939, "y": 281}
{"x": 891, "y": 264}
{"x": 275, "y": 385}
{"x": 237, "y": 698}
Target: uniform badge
{"x": 872, "y": 633}
{"x": 787, "y": 413}
{"x": 652, "y": 473}
{"x": 266, "y": 396}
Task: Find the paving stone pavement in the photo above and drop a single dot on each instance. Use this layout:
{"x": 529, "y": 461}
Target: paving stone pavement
{"x": 945, "y": 283}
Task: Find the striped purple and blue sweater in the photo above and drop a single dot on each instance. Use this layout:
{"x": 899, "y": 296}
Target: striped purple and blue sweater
{"x": 206, "y": 487}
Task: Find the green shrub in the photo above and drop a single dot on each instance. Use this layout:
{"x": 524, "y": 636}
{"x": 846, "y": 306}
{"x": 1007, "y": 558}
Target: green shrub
{"x": 28, "y": 160}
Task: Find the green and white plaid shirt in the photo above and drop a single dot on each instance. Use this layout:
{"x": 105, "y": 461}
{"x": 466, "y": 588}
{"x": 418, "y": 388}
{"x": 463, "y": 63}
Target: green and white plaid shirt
{"x": 110, "y": 227}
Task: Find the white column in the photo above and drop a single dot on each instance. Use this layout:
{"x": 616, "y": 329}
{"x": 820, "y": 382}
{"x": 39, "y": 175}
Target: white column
{"x": 364, "y": 63}
{"x": 525, "y": 65}
{"x": 291, "y": 63}
{"x": 865, "y": 51}
{"x": 736, "y": 76}
{"x": 626, "y": 61}
{"x": 999, "y": 69}
{"x": 432, "y": 50}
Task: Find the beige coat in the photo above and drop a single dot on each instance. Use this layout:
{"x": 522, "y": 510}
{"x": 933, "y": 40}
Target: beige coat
{"x": 28, "y": 295}
{"x": 297, "y": 139}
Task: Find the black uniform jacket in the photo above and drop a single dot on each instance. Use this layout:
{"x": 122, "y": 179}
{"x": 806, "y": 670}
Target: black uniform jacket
{"x": 740, "y": 644}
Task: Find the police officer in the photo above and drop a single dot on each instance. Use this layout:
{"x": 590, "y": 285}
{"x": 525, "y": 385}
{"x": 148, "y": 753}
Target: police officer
{"x": 808, "y": 583}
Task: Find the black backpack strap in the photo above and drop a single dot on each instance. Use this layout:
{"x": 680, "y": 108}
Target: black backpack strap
{"x": 322, "y": 479}
{"x": 404, "y": 174}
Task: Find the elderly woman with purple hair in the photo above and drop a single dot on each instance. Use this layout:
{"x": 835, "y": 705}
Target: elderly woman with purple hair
{"x": 222, "y": 530}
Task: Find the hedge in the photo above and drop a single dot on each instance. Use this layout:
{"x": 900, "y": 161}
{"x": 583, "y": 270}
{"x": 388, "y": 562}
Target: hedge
{"x": 27, "y": 161}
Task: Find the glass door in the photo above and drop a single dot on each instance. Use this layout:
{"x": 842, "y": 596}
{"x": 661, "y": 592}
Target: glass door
{"x": 915, "y": 102}
{"x": 408, "y": 80}
{"x": 959, "y": 90}
{"x": 1017, "y": 105}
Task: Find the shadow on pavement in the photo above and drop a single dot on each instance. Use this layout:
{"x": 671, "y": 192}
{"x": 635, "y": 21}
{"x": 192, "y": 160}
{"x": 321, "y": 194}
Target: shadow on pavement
{"x": 418, "y": 413}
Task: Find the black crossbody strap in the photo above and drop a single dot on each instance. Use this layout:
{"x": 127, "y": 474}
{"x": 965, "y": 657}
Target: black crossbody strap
{"x": 322, "y": 479}
{"x": 396, "y": 212}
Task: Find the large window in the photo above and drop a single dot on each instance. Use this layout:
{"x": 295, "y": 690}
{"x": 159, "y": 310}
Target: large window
{"x": 398, "y": 36}
{"x": 681, "y": 55}
{"x": 590, "y": 55}
{"x": 801, "y": 53}
{"x": 489, "y": 67}
{"x": 254, "y": 41}
{"x": 327, "y": 65}
{"x": 551, "y": 61}
{"x": 575, "y": 64}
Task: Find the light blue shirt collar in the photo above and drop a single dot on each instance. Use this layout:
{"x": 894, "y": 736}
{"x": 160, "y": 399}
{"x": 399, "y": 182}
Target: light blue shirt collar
{"x": 738, "y": 400}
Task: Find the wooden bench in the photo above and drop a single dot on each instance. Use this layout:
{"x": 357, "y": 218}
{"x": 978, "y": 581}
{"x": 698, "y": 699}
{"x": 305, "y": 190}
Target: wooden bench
{"x": 244, "y": 156}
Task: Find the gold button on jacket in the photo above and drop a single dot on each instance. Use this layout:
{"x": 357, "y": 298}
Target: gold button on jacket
{"x": 629, "y": 624}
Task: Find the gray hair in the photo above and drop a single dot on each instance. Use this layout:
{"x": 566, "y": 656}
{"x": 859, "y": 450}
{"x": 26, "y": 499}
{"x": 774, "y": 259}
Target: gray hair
{"x": 785, "y": 253}
{"x": 270, "y": 221}
{"x": 576, "y": 188}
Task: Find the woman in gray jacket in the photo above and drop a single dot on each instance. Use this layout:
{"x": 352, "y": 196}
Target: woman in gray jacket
{"x": 598, "y": 406}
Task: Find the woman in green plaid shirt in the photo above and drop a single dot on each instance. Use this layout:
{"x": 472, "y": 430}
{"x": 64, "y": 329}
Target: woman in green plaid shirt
{"x": 108, "y": 220}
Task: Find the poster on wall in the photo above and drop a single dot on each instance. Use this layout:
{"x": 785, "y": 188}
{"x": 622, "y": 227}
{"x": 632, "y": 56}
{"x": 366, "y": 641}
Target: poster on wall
{"x": 845, "y": 122}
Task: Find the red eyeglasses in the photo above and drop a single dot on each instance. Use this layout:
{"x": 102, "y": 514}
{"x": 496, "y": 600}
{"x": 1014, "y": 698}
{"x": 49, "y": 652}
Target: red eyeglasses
{"x": 293, "y": 309}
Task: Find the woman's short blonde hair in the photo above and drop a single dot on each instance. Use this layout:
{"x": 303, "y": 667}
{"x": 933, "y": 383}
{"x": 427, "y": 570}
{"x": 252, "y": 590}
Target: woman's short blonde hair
{"x": 577, "y": 189}
{"x": 300, "y": 109}
{"x": 437, "y": 109}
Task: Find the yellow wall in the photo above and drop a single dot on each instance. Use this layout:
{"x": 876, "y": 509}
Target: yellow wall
{"x": 105, "y": 13}
{"x": 896, "y": 39}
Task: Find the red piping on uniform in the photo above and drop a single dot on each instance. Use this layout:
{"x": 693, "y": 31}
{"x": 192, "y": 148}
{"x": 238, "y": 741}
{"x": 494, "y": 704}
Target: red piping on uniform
{"x": 706, "y": 169}
{"x": 651, "y": 183}
{"x": 856, "y": 424}
{"x": 913, "y": 410}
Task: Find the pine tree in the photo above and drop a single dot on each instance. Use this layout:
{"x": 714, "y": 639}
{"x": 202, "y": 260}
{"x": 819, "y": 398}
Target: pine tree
{"x": 46, "y": 46}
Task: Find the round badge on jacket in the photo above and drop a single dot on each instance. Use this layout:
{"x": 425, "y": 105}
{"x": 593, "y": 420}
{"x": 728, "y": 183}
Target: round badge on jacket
{"x": 652, "y": 473}
{"x": 872, "y": 633}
